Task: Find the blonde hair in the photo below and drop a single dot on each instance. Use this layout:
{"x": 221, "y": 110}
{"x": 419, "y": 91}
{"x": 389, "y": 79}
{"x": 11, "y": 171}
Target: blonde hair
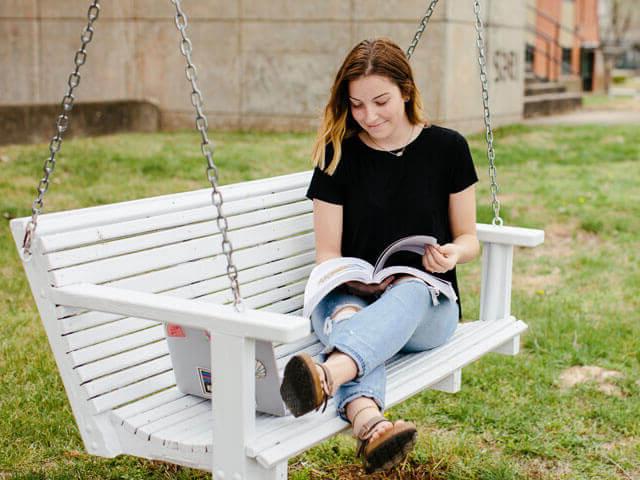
{"x": 370, "y": 57}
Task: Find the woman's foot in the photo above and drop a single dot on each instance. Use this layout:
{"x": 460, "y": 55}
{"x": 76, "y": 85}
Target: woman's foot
{"x": 360, "y": 411}
{"x": 308, "y": 386}
{"x": 382, "y": 444}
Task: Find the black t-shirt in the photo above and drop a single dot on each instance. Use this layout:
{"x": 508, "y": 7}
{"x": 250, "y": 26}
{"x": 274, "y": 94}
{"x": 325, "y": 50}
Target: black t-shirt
{"x": 385, "y": 197}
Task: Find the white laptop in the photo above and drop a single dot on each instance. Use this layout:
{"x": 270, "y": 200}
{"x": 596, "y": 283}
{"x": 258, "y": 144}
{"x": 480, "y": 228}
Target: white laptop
{"x": 190, "y": 352}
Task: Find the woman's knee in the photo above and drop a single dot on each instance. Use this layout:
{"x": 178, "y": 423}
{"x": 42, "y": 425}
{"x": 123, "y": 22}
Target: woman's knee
{"x": 436, "y": 329}
{"x": 335, "y": 307}
{"x": 413, "y": 293}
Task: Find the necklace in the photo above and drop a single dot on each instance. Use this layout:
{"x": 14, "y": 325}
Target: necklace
{"x": 398, "y": 151}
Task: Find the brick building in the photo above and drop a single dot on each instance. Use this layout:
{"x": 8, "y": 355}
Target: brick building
{"x": 563, "y": 43}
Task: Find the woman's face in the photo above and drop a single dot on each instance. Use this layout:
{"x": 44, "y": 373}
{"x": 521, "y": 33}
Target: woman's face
{"x": 377, "y": 105}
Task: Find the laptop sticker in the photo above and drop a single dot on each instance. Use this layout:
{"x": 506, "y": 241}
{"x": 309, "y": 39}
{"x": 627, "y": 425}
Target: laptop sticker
{"x": 174, "y": 330}
{"x": 205, "y": 380}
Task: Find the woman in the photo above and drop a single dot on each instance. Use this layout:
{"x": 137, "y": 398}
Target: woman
{"x": 382, "y": 173}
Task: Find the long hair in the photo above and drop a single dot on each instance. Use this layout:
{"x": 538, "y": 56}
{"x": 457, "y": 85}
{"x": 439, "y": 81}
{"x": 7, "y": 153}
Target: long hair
{"x": 382, "y": 57}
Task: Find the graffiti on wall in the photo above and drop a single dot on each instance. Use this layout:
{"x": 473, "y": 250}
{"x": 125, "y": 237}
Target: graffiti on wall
{"x": 505, "y": 64}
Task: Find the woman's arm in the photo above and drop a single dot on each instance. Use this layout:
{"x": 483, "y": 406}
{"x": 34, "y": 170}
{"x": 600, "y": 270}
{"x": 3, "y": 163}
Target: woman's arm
{"x": 465, "y": 246}
{"x": 327, "y": 225}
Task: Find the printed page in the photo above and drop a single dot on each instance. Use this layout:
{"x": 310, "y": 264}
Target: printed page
{"x": 441, "y": 285}
{"x": 414, "y": 243}
{"x": 331, "y": 273}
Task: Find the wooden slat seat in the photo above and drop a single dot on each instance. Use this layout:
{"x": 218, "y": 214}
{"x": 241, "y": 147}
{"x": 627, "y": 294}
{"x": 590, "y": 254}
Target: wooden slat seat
{"x": 179, "y": 422}
{"x": 106, "y": 278}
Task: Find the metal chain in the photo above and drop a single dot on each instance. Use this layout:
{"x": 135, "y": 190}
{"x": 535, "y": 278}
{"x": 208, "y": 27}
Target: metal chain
{"x": 62, "y": 124}
{"x": 207, "y": 149}
{"x": 421, "y": 28}
{"x": 495, "y": 203}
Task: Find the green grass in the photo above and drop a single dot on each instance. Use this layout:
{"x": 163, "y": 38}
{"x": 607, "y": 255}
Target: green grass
{"x": 512, "y": 420}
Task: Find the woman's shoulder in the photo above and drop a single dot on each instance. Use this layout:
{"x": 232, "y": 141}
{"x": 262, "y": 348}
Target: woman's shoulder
{"x": 443, "y": 133}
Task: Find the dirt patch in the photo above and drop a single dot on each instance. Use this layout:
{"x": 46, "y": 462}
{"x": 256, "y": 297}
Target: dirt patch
{"x": 408, "y": 470}
{"x": 545, "y": 468}
{"x": 560, "y": 240}
{"x": 590, "y": 373}
{"x": 623, "y": 443}
{"x": 539, "y": 283}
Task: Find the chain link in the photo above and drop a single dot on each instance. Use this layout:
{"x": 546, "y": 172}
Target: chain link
{"x": 421, "y": 28}
{"x": 491, "y": 155}
{"x": 62, "y": 124}
{"x": 207, "y": 149}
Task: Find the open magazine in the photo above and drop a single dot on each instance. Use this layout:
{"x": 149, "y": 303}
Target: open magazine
{"x": 329, "y": 274}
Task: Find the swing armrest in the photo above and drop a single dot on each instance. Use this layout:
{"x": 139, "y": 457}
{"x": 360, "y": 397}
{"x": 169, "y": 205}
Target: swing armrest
{"x": 518, "y": 236}
{"x": 257, "y": 324}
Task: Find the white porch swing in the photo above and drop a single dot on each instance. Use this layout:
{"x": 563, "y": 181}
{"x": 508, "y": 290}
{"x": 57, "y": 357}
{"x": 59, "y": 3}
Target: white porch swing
{"x": 106, "y": 278}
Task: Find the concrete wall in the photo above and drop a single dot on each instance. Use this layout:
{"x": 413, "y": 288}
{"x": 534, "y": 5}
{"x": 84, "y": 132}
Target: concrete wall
{"x": 264, "y": 65}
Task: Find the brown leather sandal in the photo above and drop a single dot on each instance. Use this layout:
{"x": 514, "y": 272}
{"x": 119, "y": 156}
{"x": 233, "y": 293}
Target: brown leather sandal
{"x": 302, "y": 388}
{"x": 390, "y": 448}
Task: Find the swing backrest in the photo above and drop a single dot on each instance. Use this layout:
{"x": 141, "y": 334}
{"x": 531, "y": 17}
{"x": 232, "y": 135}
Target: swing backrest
{"x": 168, "y": 245}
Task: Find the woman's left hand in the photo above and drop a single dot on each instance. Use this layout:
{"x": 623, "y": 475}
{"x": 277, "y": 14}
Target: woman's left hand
{"x": 440, "y": 259}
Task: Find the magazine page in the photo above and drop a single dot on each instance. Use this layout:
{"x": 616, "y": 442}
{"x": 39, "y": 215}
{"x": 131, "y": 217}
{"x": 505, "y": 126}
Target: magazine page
{"x": 414, "y": 243}
{"x": 441, "y": 285}
{"x": 329, "y": 274}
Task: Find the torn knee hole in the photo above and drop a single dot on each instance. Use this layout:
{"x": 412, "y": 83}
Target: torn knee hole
{"x": 345, "y": 311}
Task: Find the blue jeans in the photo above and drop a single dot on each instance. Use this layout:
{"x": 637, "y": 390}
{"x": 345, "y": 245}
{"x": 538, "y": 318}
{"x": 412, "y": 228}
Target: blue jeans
{"x": 407, "y": 317}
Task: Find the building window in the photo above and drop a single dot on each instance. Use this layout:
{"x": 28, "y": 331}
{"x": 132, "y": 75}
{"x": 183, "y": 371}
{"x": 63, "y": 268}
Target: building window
{"x": 528, "y": 56}
{"x": 566, "y": 61}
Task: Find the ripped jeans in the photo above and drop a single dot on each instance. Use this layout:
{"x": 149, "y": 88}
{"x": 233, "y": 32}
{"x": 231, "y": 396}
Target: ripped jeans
{"x": 407, "y": 317}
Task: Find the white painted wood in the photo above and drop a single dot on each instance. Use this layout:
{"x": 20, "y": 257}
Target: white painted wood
{"x": 200, "y": 443}
{"x": 184, "y": 439}
{"x": 132, "y": 392}
{"x": 404, "y": 387}
{"x": 189, "y": 313}
{"x": 163, "y": 221}
{"x": 159, "y": 261}
{"x": 101, "y": 333}
{"x": 289, "y": 348}
{"x": 511, "y": 347}
{"x": 147, "y": 417}
{"x": 134, "y": 446}
{"x": 138, "y": 262}
{"x": 96, "y": 436}
{"x": 398, "y": 376}
{"x": 167, "y": 437}
{"x": 422, "y": 374}
{"x": 119, "y": 361}
{"x": 124, "y": 211}
{"x": 176, "y": 418}
{"x": 233, "y": 402}
{"x": 127, "y": 376}
{"x": 267, "y": 300}
{"x": 518, "y": 236}
{"x": 122, "y": 415}
{"x": 116, "y": 345}
{"x": 495, "y": 289}
{"x": 449, "y": 384}
{"x": 398, "y": 368}
{"x": 192, "y": 278}
{"x": 99, "y": 251}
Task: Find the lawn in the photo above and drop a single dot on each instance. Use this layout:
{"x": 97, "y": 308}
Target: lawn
{"x": 529, "y": 416}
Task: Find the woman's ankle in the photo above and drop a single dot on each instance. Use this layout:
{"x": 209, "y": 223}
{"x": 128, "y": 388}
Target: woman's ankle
{"x": 342, "y": 369}
{"x": 360, "y": 411}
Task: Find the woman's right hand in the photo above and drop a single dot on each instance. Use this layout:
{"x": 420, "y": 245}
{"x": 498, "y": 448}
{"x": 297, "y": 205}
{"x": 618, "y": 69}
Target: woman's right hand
{"x": 368, "y": 289}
